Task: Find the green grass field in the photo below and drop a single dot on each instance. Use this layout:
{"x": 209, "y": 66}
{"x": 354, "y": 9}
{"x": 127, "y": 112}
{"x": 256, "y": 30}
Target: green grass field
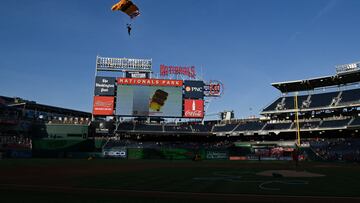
{"x": 101, "y": 180}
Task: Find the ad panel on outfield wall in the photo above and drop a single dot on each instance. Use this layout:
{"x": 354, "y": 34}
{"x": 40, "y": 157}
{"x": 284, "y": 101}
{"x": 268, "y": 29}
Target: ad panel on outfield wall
{"x": 104, "y": 86}
{"x": 217, "y": 154}
{"x": 193, "y": 89}
{"x": 140, "y": 99}
{"x": 103, "y": 106}
{"x": 115, "y": 153}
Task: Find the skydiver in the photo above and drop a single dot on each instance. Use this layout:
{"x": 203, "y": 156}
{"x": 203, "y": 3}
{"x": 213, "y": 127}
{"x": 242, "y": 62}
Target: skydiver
{"x": 128, "y": 28}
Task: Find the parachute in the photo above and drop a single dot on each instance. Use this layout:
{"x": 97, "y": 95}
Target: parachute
{"x": 127, "y": 7}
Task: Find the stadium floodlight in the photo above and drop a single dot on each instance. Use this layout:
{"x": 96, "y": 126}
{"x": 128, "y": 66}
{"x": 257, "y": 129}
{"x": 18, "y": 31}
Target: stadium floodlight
{"x": 346, "y": 68}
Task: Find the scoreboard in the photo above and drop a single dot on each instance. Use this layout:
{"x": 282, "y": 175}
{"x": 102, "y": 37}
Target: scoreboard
{"x": 148, "y": 97}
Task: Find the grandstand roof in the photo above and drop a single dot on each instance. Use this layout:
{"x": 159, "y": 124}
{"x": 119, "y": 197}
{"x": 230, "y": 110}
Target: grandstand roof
{"x": 313, "y": 83}
{"x": 18, "y": 102}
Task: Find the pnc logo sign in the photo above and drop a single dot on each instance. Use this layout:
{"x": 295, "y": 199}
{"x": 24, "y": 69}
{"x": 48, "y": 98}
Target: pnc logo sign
{"x": 193, "y": 89}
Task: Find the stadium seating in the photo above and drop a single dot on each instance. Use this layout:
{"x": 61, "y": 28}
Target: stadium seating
{"x": 224, "y": 128}
{"x": 315, "y": 100}
{"x": 350, "y": 96}
{"x": 177, "y": 128}
{"x": 115, "y": 143}
{"x": 334, "y": 123}
{"x": 148, "y": 128}
{"x": 322, "y": 100}
{"x": 337, "y": 149}
{"x": 250, "y": 126}
{"x": 308, "y": 124}
{"x": 355, "y": 122}
{"x": 126, "y": 126}
{"x": 201, "y": 128}
{"x": 289, "y": 102}
{"x": 272, "y": 106}
{"x": 277, "y": 126}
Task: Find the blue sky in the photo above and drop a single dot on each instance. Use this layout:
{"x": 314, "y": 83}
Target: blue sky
{"x": 48, "y": 47}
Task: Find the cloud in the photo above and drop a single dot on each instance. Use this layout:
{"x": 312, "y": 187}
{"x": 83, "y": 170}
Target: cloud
{"x": 323, "y": 11}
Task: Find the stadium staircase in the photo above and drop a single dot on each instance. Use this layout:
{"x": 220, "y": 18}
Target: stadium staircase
{"x": 233, "y": 130}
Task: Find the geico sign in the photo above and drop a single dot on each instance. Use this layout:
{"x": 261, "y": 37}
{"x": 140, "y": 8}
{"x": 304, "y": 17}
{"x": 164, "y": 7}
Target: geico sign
{"x": 115, "y": 153}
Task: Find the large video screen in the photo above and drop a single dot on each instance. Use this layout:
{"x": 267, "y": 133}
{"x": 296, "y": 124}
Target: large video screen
{"x": 136, "y": 100}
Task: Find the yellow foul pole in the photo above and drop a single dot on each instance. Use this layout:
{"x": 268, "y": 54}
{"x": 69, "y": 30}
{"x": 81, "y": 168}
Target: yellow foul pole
{"x": 297, "y": 119}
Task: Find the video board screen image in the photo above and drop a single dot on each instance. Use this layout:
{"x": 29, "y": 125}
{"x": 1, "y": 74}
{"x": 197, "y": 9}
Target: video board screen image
{"x": 162, "y": 101}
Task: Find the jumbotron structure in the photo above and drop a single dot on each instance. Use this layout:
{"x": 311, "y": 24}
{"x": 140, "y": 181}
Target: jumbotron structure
{"x": 134, "y": 94}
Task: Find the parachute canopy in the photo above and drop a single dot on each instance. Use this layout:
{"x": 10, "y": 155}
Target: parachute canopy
{"x": 127, "y": 7}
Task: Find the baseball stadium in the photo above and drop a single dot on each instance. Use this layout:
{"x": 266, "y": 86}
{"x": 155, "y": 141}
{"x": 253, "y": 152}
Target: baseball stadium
{"x": 146, "y": 140}
{"x": 179, "y": 101}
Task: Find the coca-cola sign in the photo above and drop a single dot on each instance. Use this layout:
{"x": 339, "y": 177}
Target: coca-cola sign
{"x": 193, "y": 108}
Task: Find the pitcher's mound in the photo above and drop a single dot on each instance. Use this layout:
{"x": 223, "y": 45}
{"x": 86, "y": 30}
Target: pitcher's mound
{"x": 289, "y": 173}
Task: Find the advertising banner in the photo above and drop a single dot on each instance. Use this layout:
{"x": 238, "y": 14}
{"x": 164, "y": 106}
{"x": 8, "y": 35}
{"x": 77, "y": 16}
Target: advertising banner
{"x": 193, "y": 89}
{"x": 162, "y": 101}
{"x": 178, "y": 153}
{"x": 115, "y": 153}
{"x": 137, "y": 75}
{"x": 149, "y": 82}
{"x": 135, "y": 153}
{"x": 217, "y": 155}
{"x": 104, "y": 86}
{"x": 103, "y": 105}
{"x": 213, "y": 89}
{"x": 20, "y": 153}
{"x": 193, "y": 108}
